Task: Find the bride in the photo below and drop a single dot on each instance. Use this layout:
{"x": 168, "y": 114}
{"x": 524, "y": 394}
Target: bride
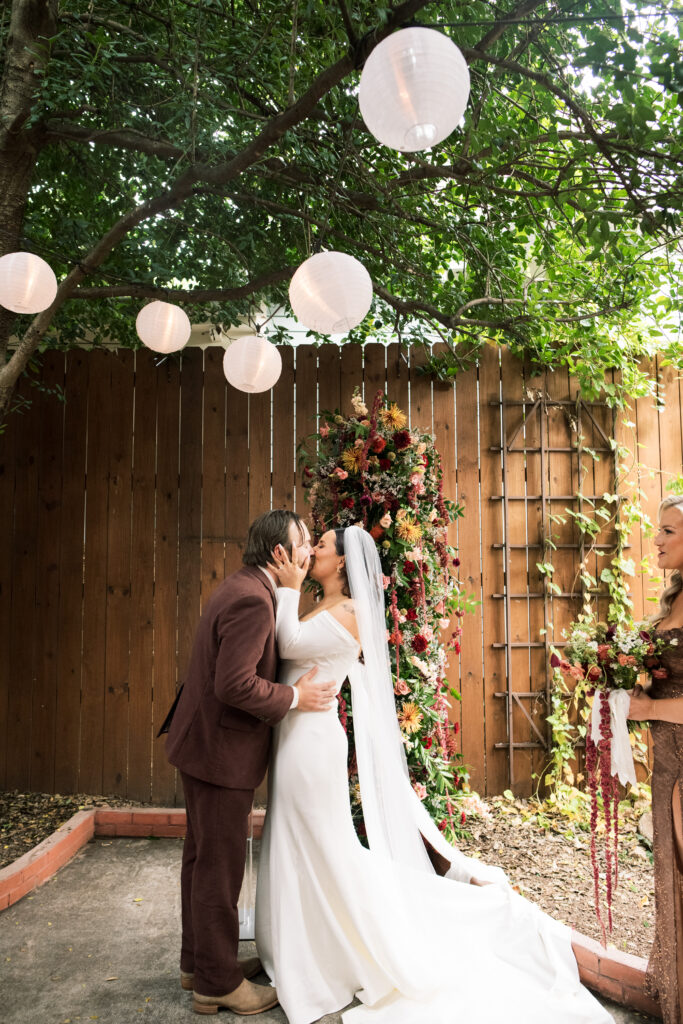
{"x": 335, "y": 921}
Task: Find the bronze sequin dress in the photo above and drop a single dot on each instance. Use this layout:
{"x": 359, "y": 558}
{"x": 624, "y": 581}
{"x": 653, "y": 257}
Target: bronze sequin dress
{"x": 665, "y": 969}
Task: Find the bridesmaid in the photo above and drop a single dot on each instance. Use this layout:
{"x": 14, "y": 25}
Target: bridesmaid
{"x": 662, "y": 706}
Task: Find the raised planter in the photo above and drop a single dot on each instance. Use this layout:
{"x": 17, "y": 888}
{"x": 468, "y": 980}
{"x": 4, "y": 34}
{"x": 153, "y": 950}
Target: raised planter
{"x": 615, "y": 975}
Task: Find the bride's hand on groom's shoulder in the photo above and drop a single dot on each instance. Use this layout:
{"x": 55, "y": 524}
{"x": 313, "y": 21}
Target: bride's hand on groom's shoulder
{"x": 288, "y": 571}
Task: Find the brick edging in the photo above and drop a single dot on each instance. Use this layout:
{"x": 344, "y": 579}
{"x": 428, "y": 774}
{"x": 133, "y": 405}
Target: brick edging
{"x": 615, "y": 975}
{"x": 618, "y": 976}
{"x": 44, "y": 860}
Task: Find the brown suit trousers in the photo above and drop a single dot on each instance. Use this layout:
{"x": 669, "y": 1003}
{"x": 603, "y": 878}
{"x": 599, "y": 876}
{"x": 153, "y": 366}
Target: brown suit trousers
{"x": 220, "y": 740}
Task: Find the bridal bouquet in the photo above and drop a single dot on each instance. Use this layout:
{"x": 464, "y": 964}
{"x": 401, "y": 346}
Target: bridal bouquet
{"x": 605, "y": 661}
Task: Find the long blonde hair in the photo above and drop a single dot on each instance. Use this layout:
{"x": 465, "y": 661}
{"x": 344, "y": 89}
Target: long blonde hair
{"x": 675, "y": 580}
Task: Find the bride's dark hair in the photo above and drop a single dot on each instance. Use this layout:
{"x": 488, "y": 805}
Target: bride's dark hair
{"x": 339, "y": 548}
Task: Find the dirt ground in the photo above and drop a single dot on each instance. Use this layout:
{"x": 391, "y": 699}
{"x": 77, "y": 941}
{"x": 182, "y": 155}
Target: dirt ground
{"x": 550, "y": 864}
{"x": 546, "y": 857}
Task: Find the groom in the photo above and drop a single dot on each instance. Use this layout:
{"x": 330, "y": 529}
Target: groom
{"x": 220, "y": 738}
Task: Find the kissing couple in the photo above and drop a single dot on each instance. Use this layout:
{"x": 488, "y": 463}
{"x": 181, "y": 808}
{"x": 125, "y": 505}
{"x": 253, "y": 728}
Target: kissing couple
{"x": 335, "y": 921}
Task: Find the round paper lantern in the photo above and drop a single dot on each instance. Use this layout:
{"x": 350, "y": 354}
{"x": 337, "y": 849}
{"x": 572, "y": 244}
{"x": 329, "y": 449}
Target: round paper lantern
{"x": 27, "y": 283}
{"x": 331, "y": 293}
{"x": 163, "y": 327}
{"x": 414, "y": 89}
{"x": 252, "y": 363}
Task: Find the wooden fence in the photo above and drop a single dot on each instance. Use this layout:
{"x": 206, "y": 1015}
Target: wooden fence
{"x": 122, "y": 507}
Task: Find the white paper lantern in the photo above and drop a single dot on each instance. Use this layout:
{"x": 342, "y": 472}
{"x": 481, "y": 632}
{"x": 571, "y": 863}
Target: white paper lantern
{"x": 331, "y": 293}
{"x": 163, "y": 327}
{"x": 252, "y": 363}
{"x": 414, "y": 89}
{"x": 27, "y": 283}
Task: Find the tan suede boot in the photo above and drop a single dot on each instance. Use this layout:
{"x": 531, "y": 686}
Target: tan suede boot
{"x": 250, "y": 967}
{"x": 247, "y": 999}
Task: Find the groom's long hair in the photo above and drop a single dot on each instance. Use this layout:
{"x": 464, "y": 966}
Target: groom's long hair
{"x": 266, "y": 532}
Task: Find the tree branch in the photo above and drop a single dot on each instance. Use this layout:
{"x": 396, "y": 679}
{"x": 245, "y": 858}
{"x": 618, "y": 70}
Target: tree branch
{"x": 144, "y": 291}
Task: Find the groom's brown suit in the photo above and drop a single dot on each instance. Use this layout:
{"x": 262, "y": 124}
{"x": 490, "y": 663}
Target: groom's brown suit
{"x": 220, "y": 740}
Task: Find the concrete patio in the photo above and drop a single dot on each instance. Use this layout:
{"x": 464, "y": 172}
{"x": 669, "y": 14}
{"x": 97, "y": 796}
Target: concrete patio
{"x": 99, "y": 941}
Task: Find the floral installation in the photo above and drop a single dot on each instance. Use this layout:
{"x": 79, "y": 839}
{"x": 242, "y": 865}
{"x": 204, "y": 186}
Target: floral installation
{"x": 600, "y": 658}
{"x": 371, "y": 469}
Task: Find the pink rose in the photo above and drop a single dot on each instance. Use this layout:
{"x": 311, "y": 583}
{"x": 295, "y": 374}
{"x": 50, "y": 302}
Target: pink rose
{"x": 576, "y": 672}
{"x": 401, "y": 688}
{"x": 386, "y": 580}
{"x": 420, "y": 789}
{"x": 324, "y": 430}
{"x": 341, "y": 473}
{"x": 385, "y": 521}
{"x": 594, "y": 672}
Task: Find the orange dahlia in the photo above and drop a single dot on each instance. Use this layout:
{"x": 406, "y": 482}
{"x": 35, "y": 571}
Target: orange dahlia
{"x": 410, "y": 718}
{"x": 393, "y": 417}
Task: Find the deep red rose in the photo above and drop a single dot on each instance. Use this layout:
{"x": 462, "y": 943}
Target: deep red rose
{"x": 348, "y": 502}
{"x": 401, "y": 440}
{"x": 419, "y": 644}
{"x": 384, "y": 464}
{"x": 456, "y": 562}
{"x": 554, "y": 661}
{"x": 376, "y": 532}
{"x": 411, "y": 615}
{"x": 427, "y": 742}
{"x": 409, "y": 567}
{"x": 378, "y": 445}
{"x": 456, "y": 647}
{"x": 463, "y": 817}
{"x": 456, "y": 727}
{"x": 443, "y": 825}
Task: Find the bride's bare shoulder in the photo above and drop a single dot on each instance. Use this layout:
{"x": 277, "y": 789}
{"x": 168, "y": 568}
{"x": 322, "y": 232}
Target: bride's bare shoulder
{"x": 345, "y": 614}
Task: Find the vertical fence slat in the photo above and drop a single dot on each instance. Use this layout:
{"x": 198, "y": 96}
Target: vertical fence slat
{"x": 532, "y": 525}
{"x": 174, "y": 491}
{"x": 23, "y": 617}
{"x": 190, "y": 504}
{"x": 50, "y": 474}
{"x": 493, "y": 610}
{"x": 7, "y": 471}
{"x": 306, "y": 375}
{"x": 140, "y": 722}
{"x": 237, "y": 475}
{"x": 284, "y": 464}
{"x": 70, "y": 615}
{"x": 100, "y": 413}
{"x": 374, "y": 373}
{"x": 443, "y": 407}
{"x": 116, "y": 698}
{"x": 351, "y": 376}
{"x": 260, "y": 431}
{"x": 398, "y": 377}
{"x": 513, "y": 390}
{"x": 469, "y": 552}
{"x": 329, "y": 377}
{"x": 213, "y": 473}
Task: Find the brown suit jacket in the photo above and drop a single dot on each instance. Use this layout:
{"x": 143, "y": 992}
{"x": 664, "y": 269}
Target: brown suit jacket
{"x": 221, "y": 729}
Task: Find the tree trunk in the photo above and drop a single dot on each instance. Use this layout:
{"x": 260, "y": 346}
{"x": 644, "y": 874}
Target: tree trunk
{"x": 32, "y": 22}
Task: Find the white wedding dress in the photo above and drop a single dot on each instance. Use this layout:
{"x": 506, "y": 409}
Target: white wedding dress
{"x": 335, "y": 921}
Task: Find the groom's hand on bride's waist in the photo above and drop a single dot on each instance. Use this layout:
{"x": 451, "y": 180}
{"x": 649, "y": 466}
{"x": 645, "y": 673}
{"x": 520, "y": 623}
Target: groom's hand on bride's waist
{"x": 315, "y": 695}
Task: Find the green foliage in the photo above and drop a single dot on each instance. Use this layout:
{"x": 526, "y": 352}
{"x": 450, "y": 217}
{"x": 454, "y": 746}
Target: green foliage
{"x": 547, "y": 221}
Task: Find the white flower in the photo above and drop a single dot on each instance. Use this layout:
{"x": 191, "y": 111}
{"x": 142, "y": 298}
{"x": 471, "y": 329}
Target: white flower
{"x": 359, "y": 406}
